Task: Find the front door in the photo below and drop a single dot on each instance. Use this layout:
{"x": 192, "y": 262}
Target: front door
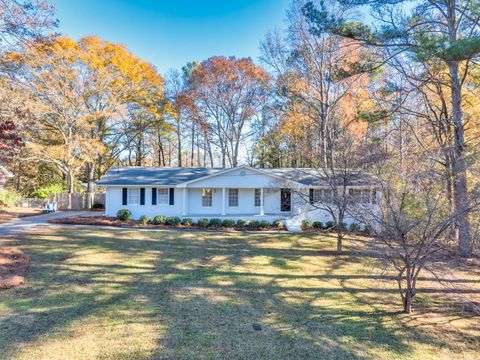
{"x": 285, "y": 200}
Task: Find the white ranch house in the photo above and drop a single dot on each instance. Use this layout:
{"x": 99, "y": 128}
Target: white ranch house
{"x": 236, "y": 193}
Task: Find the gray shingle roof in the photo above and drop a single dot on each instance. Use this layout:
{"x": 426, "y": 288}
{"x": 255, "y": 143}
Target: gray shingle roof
{"x": 315, "y": 177}
{"x": 133, "y": 175}
{"x": 136, "y": 175}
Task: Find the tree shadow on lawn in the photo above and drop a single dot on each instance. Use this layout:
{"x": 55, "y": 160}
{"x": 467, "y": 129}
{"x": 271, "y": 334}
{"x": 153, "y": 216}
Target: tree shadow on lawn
{"x": 207, "y": 312}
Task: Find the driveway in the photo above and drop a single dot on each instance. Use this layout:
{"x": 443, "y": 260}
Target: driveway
{"x": 25, "y": 223}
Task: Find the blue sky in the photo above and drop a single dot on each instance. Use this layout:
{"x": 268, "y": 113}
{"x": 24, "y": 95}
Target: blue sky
{"x": 169, "y": 33}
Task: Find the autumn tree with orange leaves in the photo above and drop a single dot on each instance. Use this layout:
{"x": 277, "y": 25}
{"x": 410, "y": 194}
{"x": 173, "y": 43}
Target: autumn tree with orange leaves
{"x": 228, "y": 93}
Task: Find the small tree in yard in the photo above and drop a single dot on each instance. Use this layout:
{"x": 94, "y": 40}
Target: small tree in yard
{"x": 413, "y": 224}
{"x": 348, "y": 158}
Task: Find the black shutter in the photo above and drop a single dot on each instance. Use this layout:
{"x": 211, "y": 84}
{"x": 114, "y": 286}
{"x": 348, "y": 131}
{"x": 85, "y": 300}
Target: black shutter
{"x": 154, "y": 196}
{"x": 311, "y": 196}
{"x": 142, "y": 196}
{"x": 124, "y": 196}
{"x": 172, "y": 196}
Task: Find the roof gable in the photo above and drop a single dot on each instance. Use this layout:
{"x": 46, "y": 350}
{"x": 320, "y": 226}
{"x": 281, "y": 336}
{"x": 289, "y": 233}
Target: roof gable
{"x": 242, "y": 176}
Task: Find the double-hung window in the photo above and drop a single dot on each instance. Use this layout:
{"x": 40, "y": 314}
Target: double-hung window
{"x": 317, "y": 195}
{"x": 163, "y": 196}
{"x": 233, "y": 197}
{"x": 258, "y": 194}
{"x": 360, "y": 196}
{"x": 206, "y": 197}
{"x": 133, "y": 196}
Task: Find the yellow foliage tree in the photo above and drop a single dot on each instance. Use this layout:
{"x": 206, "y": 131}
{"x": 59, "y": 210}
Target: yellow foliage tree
{"x": 83, "y": 92}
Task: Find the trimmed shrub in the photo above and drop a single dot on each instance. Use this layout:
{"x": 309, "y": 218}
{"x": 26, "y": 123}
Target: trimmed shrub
{"x": 329, "y": 224}
{"x": 306, "y": 224}
{"x": 187, "y": 222}
{"x": 264, "y": 224}
{"x": 159, "y": 220}
{"x": 214, "y": 222}
{"x": 254, "y": 224}
{"x": 144, "y": 219}
{"x": 317, "y": 225}
{"x": 124, "y": 214}
{"x": 367, "y": 230}
{"x": 172, "y": 221}
{"x": 98, "y": 206}
{"x": 228, "y": 223}
{"x": 242, "y": 223}
{"x": 203, "y": 222}
{"x": 277, "y": 224}
{"x": 354, "y": 227}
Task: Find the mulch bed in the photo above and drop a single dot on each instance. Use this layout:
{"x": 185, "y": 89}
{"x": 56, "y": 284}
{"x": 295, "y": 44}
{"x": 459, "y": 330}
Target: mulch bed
{"x": 110, "y": 221}
{"x": 13, "y": 267}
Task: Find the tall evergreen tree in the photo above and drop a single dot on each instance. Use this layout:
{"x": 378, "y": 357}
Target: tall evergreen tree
{"x": 423, "y": 30}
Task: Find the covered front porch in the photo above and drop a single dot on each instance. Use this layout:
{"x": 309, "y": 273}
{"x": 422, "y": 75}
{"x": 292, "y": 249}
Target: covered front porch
{"x": 237, "y": 203}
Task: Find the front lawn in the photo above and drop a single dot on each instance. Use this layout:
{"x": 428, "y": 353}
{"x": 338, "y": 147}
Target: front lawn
{"x": 142, "y": 294}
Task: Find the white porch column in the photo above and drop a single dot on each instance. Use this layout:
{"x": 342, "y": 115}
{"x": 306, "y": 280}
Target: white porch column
{"x": 184, "y": 203}
{"x": 223, "y": 201}
{"x": 261, "y": 202}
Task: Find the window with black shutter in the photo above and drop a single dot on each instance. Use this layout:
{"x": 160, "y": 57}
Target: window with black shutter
{"x": 124, "y": 196}
{"x": 154, "y": 196}
{"x": 172, "y": 196}
{"x": 142, "y": 196}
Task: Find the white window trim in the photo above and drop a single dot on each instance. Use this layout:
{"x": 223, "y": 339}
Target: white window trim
{"x": 128, "y": 197}
{"x": 211, "y": 198}
{"x": 259, "y": 197}
{"x": 238, "y": 198}
{"x": 168, "y": 197}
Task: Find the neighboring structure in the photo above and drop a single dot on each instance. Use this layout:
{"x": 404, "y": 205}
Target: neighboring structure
{"x": 237, "y": 193}
{"x": 4, "y": 176}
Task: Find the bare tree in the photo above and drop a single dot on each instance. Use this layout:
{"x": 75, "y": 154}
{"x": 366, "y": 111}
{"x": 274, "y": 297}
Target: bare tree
{"x": 413, "y": 225}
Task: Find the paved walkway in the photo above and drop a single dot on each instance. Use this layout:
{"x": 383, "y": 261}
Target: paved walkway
{"x": 20, "y": 224}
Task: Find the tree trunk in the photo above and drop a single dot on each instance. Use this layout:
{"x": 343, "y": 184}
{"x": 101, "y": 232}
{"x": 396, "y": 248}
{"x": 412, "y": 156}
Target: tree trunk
{"x": 460, "y": 166}
{"x": 179, "y": 143}
{"x": 209, "y": 146}
{"x": 192, "y": 149}
{"x": 70, "y": 182}
{"x": 223, "y": 157}
{"x": 339, "y": 241}
{"x": 407, "y": 302}
{"x": 90, "y": 184}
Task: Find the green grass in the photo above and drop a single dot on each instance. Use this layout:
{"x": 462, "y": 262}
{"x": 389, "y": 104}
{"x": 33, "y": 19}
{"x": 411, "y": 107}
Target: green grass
{"x": 132, "y": 294}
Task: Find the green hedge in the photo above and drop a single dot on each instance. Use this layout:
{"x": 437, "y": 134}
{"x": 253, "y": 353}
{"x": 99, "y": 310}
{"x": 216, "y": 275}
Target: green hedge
{"x": 172, "y": 221}
{"x": 228, "y": 223}
{"x": 187, "y": 222}
{"x": 144, "y": 219}
{"x": 203, "y": 222}
{"x": 124, "y": 214}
